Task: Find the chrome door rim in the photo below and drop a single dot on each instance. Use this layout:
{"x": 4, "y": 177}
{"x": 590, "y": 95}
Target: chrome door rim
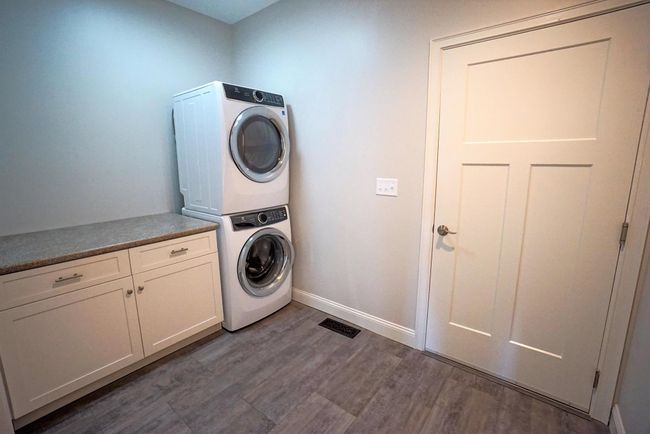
{"x": 287, "y": 263}
{"x": 284, "y": 137}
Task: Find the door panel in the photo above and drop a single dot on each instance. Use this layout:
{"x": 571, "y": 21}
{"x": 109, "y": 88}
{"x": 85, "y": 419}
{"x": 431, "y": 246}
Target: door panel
{"x": 480, "y": 224}
{"x": 548, "y": 95}
{"x": 549, "y": 256}
{"x": 537, "y": 144}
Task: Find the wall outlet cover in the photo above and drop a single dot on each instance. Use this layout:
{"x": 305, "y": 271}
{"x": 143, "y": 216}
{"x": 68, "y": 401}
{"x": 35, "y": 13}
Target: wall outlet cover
{"x": 386, "y": 187}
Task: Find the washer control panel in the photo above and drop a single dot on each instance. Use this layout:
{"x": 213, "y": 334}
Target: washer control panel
{"x": 254, "y": 96}
{"x": 258, "y": 218}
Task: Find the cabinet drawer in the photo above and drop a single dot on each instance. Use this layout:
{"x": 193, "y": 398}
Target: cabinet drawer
{"x": 53, "y": 347}
{"x": 157, "y": 255}
{"x": 177, "y": 301}
{"x": 44, "y": 282}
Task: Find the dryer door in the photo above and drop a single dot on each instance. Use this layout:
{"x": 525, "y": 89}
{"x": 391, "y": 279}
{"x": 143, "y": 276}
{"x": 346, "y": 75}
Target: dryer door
{"x": 265, "y": 262}
{"x": 259, "y": 144}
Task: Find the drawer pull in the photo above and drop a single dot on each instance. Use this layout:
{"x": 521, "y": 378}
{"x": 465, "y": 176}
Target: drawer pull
{"x": 178, "y": 251}
{"x": 65, "y": 279}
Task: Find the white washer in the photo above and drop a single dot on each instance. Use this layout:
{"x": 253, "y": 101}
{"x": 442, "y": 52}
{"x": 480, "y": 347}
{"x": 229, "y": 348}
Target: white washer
{"x": 255, "y": 260}
{"x": 232, "y": 145}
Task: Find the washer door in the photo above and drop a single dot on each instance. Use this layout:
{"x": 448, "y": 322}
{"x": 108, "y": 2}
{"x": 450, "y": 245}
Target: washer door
{"x": 265, "y": 262}
{"x": 259, "y": 144}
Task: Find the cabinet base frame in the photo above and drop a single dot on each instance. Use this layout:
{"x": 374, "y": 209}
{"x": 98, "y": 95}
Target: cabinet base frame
{"x": 61, "y": 402}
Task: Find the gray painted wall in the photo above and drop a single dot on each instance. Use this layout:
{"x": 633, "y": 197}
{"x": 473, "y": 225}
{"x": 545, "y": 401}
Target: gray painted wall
{"x": 355, "y": 75}
{"x": 634, "y": 383}
{"x": 85, "y": 116}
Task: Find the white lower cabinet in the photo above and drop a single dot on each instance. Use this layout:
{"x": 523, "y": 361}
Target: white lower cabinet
{"x": 58, "y": 335}
{"x": 177, "y": 301}
{"x": 55, "y": 346}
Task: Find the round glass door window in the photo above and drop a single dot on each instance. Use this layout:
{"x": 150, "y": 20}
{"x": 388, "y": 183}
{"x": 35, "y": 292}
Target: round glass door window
{"x": 259, "y": 144}
{"x": 265, "y": 262}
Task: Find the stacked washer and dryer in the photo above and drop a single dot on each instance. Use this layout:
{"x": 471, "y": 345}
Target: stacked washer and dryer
{"x": 233, "y": 147}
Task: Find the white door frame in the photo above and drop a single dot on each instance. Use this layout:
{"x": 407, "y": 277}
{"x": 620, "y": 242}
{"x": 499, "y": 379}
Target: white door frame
{"x": 638, "y": 212}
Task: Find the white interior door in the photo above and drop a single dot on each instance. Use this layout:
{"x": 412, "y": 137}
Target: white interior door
{"x": 537, "y": 144}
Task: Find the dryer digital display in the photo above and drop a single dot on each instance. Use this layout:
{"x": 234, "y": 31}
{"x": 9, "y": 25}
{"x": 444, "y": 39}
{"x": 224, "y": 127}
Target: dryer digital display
{"x": 253, "y": 95}
{"x": 258, "y": 219}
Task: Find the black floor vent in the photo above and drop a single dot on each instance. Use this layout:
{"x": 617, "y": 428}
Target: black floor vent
{"x": 340, "y": 328}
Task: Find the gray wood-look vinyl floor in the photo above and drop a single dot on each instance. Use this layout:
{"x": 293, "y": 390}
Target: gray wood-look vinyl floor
{"x": 285, "y": 374}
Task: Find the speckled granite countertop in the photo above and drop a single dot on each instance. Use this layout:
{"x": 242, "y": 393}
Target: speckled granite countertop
{"x": 36, "y": 249}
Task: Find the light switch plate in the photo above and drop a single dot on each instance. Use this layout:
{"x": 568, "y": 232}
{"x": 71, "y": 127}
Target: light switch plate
{"x": 386, "y": 187}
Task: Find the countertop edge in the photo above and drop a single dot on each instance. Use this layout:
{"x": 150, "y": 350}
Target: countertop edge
{"x": 106, "y": 249}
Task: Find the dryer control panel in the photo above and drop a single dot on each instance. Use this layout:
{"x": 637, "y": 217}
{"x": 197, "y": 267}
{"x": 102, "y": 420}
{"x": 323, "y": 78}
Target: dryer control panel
{"x": 254, "y": 96}
{"x": 258, "y": 218}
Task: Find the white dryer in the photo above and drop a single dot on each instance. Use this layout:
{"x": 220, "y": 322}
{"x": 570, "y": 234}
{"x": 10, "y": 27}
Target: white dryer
{"x": 255, "y": 260}
{"x": 233, "y": 147}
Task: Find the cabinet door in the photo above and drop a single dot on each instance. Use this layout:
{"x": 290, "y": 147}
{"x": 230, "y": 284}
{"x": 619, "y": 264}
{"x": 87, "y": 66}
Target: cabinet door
{"x": 55, "y": 346}
{"x": 177, "y": 301}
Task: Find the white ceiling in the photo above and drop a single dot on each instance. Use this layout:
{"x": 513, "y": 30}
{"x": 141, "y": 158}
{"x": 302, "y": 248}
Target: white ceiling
{"x": 229, "y": 11}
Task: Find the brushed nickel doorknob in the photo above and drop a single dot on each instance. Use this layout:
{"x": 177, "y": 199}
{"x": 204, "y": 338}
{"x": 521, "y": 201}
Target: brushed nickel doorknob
{"x": 444, "y": 230}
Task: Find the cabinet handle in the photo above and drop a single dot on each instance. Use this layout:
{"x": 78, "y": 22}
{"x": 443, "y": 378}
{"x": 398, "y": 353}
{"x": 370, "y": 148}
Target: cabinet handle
{"x": 65, "y": 279}
{"x": 140, "y": 288}
{"x": 129, "y": 291}
{"x": 176, "y": 252}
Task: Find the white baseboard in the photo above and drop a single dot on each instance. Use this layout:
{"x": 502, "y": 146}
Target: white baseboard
{"x": 616, "y": 421}
{"x": 377, "y": 325}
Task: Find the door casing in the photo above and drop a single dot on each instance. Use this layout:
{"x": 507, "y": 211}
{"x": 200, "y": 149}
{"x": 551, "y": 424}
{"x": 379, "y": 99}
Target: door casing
{"x": 638, "y": 211}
